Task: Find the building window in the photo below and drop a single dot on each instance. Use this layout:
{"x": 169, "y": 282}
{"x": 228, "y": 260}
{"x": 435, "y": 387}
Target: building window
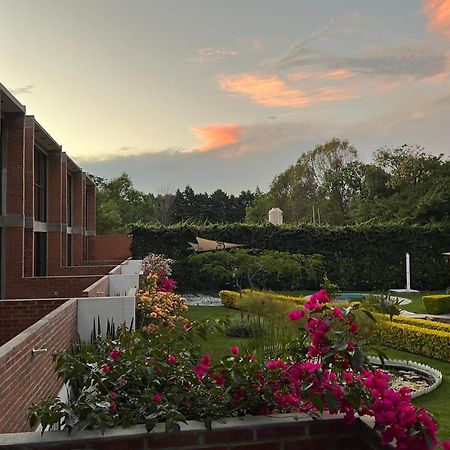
{"x": 40, "y": 186}
{"x": 40, "y": 254}
{"x": 69, "y": 200}
{"x": 69, "y": 249}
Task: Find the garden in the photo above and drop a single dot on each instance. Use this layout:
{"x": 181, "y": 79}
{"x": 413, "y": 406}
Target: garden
{"x": 261, "y": 353}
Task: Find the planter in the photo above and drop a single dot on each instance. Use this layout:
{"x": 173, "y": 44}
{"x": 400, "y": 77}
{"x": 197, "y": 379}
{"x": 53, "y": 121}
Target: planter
{"x": 278, "y": 432}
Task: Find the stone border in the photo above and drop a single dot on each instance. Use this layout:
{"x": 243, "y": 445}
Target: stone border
{"x": 424, "y": 369}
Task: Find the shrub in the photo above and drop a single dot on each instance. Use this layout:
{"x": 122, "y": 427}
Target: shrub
{"x": 243, "y": 329}
{"x": 433, "y": 343}
{"x": 362, "y": 257}
{"x": 421, "y": 323}
{"x": 262, "y": 269}
{"x": 230, "y": 299}
{"x": 437, "y": 304}
{"x": 148, "y": 378}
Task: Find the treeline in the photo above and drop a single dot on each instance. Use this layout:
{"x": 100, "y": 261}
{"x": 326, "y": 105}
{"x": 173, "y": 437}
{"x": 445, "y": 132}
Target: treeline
{"x": 327, "y": 185}
{"x": 119, "y": 204}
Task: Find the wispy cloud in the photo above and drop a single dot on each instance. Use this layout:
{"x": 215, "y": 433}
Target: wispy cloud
{"x": 264, "y": 90}
{"x": 28, "y": 89}
{"x": 243, "y": 46}
{"x": 218, "y": 135}
{"x": 414, "y": 61}
{"x": 339, "y": 74}
{"x": 438, "y": 13}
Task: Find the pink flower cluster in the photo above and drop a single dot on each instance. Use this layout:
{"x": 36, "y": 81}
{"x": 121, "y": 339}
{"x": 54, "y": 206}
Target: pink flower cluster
{"x": 395, "y": 415}
{"x": 203, "y": 366}
{"x": 317, "y": 300}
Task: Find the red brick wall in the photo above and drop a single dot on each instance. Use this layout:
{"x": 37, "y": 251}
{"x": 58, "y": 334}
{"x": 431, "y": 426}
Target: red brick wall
{"x": 26, "y": 378}
{"x": 18, "y": 315}
{"x": 109, "y": 247}
{"x": 98, "y": 289}
{"x": 50, "y": 287}
{"x": 292, "y": 435}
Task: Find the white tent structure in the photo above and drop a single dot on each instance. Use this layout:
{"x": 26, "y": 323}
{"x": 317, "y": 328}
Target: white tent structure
{"x": 206, "y": 245}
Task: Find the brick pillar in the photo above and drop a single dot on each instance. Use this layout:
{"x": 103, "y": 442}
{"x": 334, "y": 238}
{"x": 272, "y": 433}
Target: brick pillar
{"x": 28, "y": 269}
{"x": 64, "y": 209}
{"x": 15, "y": 202}
{"x": 77, "y": 218}
{"x": 91, "y": 219}
{"x": 54, "y": 219}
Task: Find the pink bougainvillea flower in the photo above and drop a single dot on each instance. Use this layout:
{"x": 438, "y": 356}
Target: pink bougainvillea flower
{"x": 157, "y": 398}
{"x": 295, "y": 315}
{"x": 234, "y": 350}
{"x": 187, "y": 326}
{"x": 106, "y": 368}
{"x": 206, "y": 359}
{"x": 112, "y": 406}
{"x": 171, "y": 359}
{"x": 337, "y": 312}
{"x": 115, "y": 355}
{"x": 445, "y": 445}
{"x": 220, "y": 380}
{"x": 321, "y": 296}
{"x": 113, "y": 394}
{"x": 250, "y": 358}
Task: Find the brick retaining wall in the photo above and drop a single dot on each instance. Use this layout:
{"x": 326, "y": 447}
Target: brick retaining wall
{"x": 27, "y": 378}
{"x": 251, "y": 433}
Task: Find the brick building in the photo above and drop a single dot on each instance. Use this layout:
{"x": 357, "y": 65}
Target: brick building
{"x": 48, "y": 244}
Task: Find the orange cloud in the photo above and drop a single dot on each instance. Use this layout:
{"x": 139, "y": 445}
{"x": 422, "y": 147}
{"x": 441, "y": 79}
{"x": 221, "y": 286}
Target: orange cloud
{"x": 438, "y": 13}
{"x": 267, "y": 91}
{"x": 215, "y": 136}
{"x": 340, "y": 74}
{"x": 334, "y": 94}
{"x": 300, "y": 75}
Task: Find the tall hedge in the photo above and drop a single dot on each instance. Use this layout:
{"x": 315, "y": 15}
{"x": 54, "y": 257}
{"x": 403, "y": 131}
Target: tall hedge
{"x": 363, "y": 257}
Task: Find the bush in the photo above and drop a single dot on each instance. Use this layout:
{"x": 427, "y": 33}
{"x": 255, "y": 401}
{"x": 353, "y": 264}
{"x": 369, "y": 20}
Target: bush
{"x": 428, "y": 342}
{"x": 232, "y": 299}
{"x": 437, "y": 304}
{"x": 242, "y": 329}
{"x": 362, "y": 257}
{"x": 421, "y": 323}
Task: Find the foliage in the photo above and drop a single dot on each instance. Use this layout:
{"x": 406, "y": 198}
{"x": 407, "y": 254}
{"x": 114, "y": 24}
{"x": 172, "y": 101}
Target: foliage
{"x": 120, "y": 204}
{"x": 362, "y": 257}
{"x": 157, "y": 304}
{"x": 152, "y": 377}
{"x": 437, "y": 304}
{"x": 217, "y": 207}
{"x": 331, "y": 288}
{"x": 238, "y": 300}
{"x": 329, "y": 184}
{"x": 382, "y": 303}
{"x": 434, "y": 343}
{"x": 267, "y": 269}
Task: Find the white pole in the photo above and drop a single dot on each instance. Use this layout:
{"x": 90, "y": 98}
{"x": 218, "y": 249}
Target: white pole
{"x": 408, "y": 273}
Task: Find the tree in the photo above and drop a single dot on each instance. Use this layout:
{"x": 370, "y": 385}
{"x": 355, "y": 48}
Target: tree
{"x": 118, "y": 199}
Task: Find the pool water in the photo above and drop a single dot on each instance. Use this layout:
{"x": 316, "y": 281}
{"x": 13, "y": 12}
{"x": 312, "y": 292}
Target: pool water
{"x": 349, "y": 296}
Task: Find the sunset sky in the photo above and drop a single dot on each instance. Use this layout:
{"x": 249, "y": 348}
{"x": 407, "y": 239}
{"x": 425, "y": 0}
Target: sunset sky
{"x": 226, "y": 94}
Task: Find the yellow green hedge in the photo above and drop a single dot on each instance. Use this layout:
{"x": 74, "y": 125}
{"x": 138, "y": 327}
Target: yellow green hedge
{"x": 437, "y": 304}
{"x": 413, "y": 339}
{"x": 231, "y": 299}
{"x": 422, "y": 323}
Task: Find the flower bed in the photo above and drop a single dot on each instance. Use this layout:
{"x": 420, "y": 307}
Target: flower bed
{"x": 141, "y": 377}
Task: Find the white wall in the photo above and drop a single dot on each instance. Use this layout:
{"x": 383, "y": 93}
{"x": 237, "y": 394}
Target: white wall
{"x": 115, "y": 309}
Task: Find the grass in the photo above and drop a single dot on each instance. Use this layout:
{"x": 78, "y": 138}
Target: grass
{"x": 416, "y": 305}
{"x": 437, "y": 402}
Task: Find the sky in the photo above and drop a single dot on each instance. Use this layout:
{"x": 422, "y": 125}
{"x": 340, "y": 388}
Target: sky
{"x": 227, "y": 94}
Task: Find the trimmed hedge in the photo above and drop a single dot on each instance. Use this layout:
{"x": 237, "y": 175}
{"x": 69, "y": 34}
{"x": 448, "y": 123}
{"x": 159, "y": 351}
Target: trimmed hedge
{"x": 362, "y": 257}
{"x": 231, "y": 299}
{"x": 422, "y": 323}
{"x": 437, "y": 304}
{"x": 413, "y": 339}
{"x": 423, "y": 337}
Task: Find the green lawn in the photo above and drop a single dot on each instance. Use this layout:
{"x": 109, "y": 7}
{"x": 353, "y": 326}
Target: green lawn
{"x": 416, "y": 305}
{"x": 437, "y": 402}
